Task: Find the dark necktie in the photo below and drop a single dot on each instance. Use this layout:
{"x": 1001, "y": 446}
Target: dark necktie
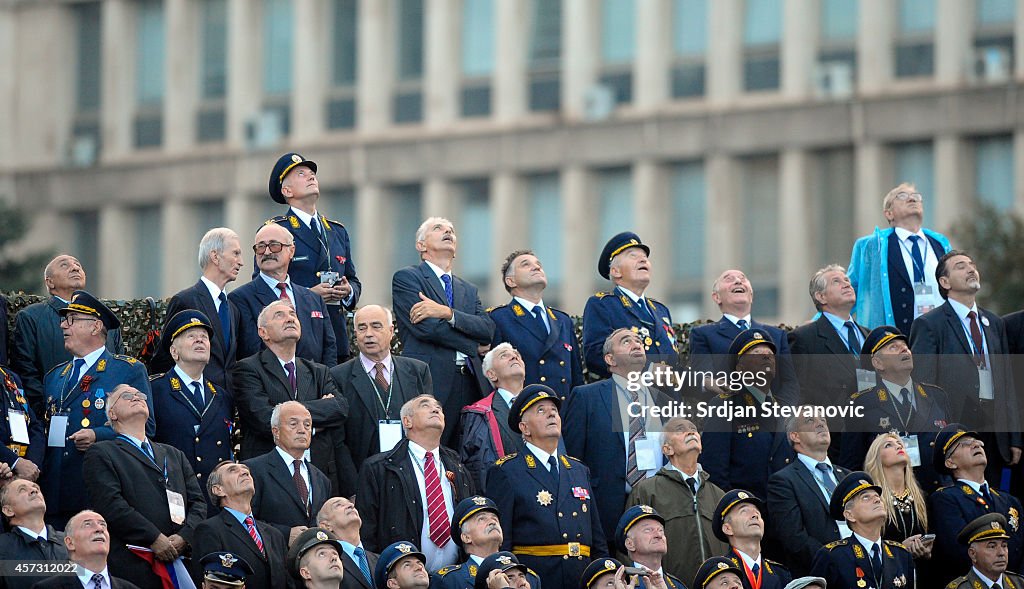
{"x": 379, "y": 379}
{"x": 692, "y": 484}
{"x": 224, "y": 313}
{"x": 315, "y": 226}
{"x": 636, "y": 431}
{"x": 300, "y": 484}
{"x": 996, "y": 585}
{"x": 290, "y": 368}
{"x": 985, "y": 493}
{"x": 851, "y": 338}
{"x": 437, "y": 511}
{"x": 826, "y": 477}
{"x": 905, "y": 400}
{"x": 742, "y": 324}
{"x": 283, "y": 287}
{"x": 364, "y": 566}
{"x": 197, "y": 396}
{"x": 538, "y": 314}
{"x": 448, "y": 292}
{"x": 876, "y": 561}
{"x": 97, "y": 581}
{"x": 979, "y": 342}
{"x": 755, "y": 570}
{"x": 250, "y": 526}
{"x": 915, "y": 253}
{"x": 76, "y": 373}
{"x": 645, "y": 310}
{"x": 553, "y": 469}
{"x": 148, "y": 449}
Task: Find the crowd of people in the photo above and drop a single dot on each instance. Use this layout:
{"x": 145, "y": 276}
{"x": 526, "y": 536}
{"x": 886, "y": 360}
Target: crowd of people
{"x": 256, "y": 449}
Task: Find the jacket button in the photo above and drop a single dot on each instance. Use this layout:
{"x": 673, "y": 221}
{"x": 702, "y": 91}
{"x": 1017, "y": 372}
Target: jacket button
{"x": 199, "y": 458}
{"x": 199, "y": 475}
{"x": 566, "y": 536}
{"x": 563, "y": 380}
{"x": 543, "y": 378}
{"x": 541, "y": 362}
{"x": 218, "y": 442}
{"x": 559, "y": 514}
{"x": 197, "y": 441}
{"x": 561, "y": 362}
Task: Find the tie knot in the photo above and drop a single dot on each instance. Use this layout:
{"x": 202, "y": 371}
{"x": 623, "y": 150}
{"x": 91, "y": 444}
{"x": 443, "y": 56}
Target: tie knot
{"x": 742, "y": 324}
{"x": 971, "y": 314}
{"x": 874, "y": 549}
{"x": 379, "y": 366}
{"x": 849, "y": 325}
{"x": 446, "y": 279}
{"x": 914, "y": 238}
{"x": 824, "y": 467}
{"x": 97, "y": 578}
{"x": 282, "y": 285}
{"x": 249, "y": 520}
{"x": 538, "y": 311}
{"x": 552, "y": 464}
{"x": 358, "y": 551}
{"x": 222, "y": 297}
{"x": 904, "y": 394}
{"x": 290, "y": 367}
{"x": 692, "y": 484}
{"x": 429, "y": 459}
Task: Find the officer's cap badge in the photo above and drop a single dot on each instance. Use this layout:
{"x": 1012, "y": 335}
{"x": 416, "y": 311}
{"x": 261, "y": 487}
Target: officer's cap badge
{"x": 742, "y": 495}
{"x": 609, "y": 564}
{"x": 403, "y": 548}
{"x": 504, "y": 560}
{"x": 480, "y": 500}
{"x": 296, "y": 158}
{"x": 227, "y": 560}
{"x": 722, "y": 565}
{"x": 757, "y": 335}
{"x": 646, "y": 509}
{"x": 321, "y": 536}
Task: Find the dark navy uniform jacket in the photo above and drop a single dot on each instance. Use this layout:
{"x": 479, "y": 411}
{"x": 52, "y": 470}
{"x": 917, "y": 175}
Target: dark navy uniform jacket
{"x": 463, "y": 576}
{"x": 773, "y": 574}
{"x": 311, "y": 257}
{"x": 203, "y": 434}
{"x": 14, "y": 400}
{"x": 551, "y": 359}
{"x": 535, "y": 515}
{"x": 882, "y": 415}
{"x": 951, "y": 508}
{"x": 607, "y": 311}
{"x": 845, "y": 562}
{"x": 85, "y": 404}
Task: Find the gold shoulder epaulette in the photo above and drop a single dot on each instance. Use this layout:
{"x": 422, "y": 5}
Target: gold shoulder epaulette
{"x": 837, "y": 543}
{"x": 128, "y": 359}
{"x": 448, "y": 569}
{"x": 600, "y": 295}
{"x": 505, "y": 458}
{"x": 276, "y": 219}
{"x": 153, "y": 377}
{"x": 956, "y": 582}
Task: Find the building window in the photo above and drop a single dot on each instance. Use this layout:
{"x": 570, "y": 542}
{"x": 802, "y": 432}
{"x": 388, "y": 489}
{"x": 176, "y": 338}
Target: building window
{"x": 85, "y": 132}
{"x": 618, "y": 45}
{"x": 408, "y": 96}
{"x": 915, "y": 38}
{"x": 546, "y": 233}
{"x": 85, "y": 241}
{"x": 477, "y": 57}
{"x": 149, "y": 73}
{"x": 211, "y": 119}
{"x": 341, "y": 100}
{"x": 278, "y": 64}
{"x": 615, "y": 189}
{"x": 476, "y": 251}
{"x": 545, "y": 55}
{"x": 762, "y": 34}
{"x": 339, "y": 204}
{"x": 148, "y": 253}
{"x": 831, "y": 201}
{"x": 206, "y": 215}
{"x": 836, "y": 70}
{"x": 993, "y": 172}
{"x": 993, "y": 40}
{"x": 406, "y": 217}
{"x": 759, "y": 209}
{"x": 689, "y": 47}
{"x": 687, "y": 186}
{"x": 915, "y": 163}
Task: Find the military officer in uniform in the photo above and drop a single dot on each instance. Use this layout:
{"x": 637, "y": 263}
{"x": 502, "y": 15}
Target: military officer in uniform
{"x": 545, "y": 498}
{"x": 193, "y": 414}
{"x": 477, "y": 531}
{"x": 322, "y": 259}
{"x": 916, "y": 410}
{"x": 739, "y": 523}
{"x": 224, "y": 570}
{"x": 718, "y": 572}
{"x": 404, "y": 564}
{"x": 76, "y": 396}
{"x": 544, "y": 336}
{"x": 640, "y": 535}
{"x": 22, "y": 440}
{"x": 985, "y": 538}
{"x": 600, "y": 573}
{"x": 624, "y": 262}
{"x": 863, "y": 560}
{"x": 959, "y": 453}
{"x": 742, "y": 451}
{"x": 517, "y": 575}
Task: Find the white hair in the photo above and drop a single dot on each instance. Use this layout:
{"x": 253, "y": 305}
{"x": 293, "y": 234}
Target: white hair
{"x": 215, "y": 240}
{"x": 421, "y": 233}
{"x": 261, "y": 320}
{"x": 488, "y": 362}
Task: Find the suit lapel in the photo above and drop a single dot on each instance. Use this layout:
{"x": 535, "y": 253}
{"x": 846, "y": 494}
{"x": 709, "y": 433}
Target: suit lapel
{"x": 808, "y": 479}
{"x": 957, "y": 327}
{"x": 364, "y": 388}
{"x": 272, "y": 366}
{"x": 552, "y": 336}
{"x": 210, "y": 413}
{"x": 991, "y": 335}
{"x": 832, "y": 342}
{"x": 727, "y": 329}
{"x": 539, "y": 472}
{"x": 264, "y": 296}
{"x": 304, "y": 382}
{"x": 181, "y": 396}
{"x": 306, "y": 236}
{"x": 130, "y": 449}
{"x": 895, "y": 261}
{"x": 527, "y": 320}
{"x": 282, "y": 474}
{"x": 632, "y": 307}
{"x": 209, "y": 308}
{"x": 237, "y": 530}
{"x": 434, "y": 284}
{"x": 352, "y": 570}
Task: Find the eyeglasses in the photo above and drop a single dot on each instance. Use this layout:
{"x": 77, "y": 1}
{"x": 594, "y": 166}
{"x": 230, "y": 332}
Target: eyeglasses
{"x": 132, "y": 395}
{"x": 275, "y": 247}
{"x": 70, "y": 319}
{"x": 910, "y": 196}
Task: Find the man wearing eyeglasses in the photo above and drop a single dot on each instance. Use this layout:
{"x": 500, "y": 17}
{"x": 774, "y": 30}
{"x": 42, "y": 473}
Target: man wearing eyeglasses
{"x": 76, "y": 401}
{"x": 893, "y": 270}
{"x": 275, "y": 249}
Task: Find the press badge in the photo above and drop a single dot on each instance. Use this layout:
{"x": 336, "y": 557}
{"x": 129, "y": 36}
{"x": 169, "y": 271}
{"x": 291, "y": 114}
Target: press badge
{"x": 865, "y": 379}
{"x": 19, "y": 426}
{"x": 647, "y": 451}
{"x": 985, "y": 384}
{"x": 390, "y": 433}
{"x": 913, "y": 449}
{"x": 176, "y": 506}
{"x": 58, "y": 431}
{"x": 925, "y": 299}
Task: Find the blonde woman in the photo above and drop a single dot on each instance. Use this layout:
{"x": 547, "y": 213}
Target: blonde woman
{"x": 889, "y": 465}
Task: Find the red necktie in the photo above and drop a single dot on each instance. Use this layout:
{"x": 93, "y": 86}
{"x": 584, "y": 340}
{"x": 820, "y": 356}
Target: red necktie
{"x": 382, "y": 383}
{"x": 250, "y": 525}
{"x": 284, "y": 291}
{"x": 979, "y": 342}
{"x": 440, "y": 530}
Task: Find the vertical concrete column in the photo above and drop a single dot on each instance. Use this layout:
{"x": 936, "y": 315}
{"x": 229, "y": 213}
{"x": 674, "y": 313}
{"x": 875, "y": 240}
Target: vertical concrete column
{"x": 1018, "y": 168}
{"x": 580, "y": 53}
{"x": 440, "y": 200}
{"x": 442, "y": 68}
{"x": 579, "y": 225}
{"x": 509, "y": 95}
{"x": 1018, "y": 48}
{"x": 8, "y": 87}
{"x": 372, "y": 215}
{"x": 376, "y": 59}
{"x": 953, "y": 179}
{"x": 244, "y": 72}
{"x": 795, "y": 266}
{"x": 118, "y": 78}
{"x": 510, "y": 224}
{"x": 720, "y": 203}
{"x": 799, "y": 41}
{"x": 177, "y": 253}
{"x": 653, "y": 53}
{"x": 874, "y": 45}
{"x": 309, "y": 82}
{"x": 652, "y": 219}
{"x": 182, "y": 74}
{"x": 871, "y": 183}
{"x": 954, "y": 26}
{"x": 117, "y": 244}
{"x": 725, "y": 50}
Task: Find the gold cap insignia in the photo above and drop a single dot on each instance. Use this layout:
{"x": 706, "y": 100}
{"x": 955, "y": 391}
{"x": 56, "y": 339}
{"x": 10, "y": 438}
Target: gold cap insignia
{"x": 321, "y": 536}
{"x": 404, "y": 548}
{"x": 995, "y": 525}
{"x": 228, "y": 560}
{"x": 608, "y": 564}
{"x": 480, "y": 500}
{"x": 742, "y": 495}
{"x": 296, "y": 159}
{"x": 757, "y": 335}
{"x": 504, "y": 560}
{"x": 646, "y": 509}
{"x": 722, "y": 565}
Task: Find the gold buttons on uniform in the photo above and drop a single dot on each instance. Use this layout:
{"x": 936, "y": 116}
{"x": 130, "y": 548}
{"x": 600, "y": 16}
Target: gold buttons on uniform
{"x": 542, "y": 379}
{"x": 542, "y": 362}
{"x": 561, "y": 362}
{"x": 199, "y": 458}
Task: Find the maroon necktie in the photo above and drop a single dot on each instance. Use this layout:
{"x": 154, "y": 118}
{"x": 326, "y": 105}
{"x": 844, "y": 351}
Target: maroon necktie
{"x": 290, "y": 367}
{"x": 382, "y": 383}
{"x": 284, "y": 291}
{"x": 300, "y": 484}
{"x": 440, "y": 529}
{"x": 979, "y": 342}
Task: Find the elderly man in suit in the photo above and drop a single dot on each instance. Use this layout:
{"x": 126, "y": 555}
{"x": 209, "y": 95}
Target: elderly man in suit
{"x": 274, "y": 249}
{"x": 276, "y": 375}
{"x": 962, "y": 348}
{"x": 29, "y": 538}
{"x": 145, "y": 490}
{"x": 709, "y": 344}
{"x": 410, "y": 492}
{"x": 220, "y": 258}
{"x": 290, "y": 490}
{"x": 340, "y": 516}
{"x": 88, "y": 544}
{"x": 232, "y": 528}
{"x": 376, "y": 384}
{"x": 38, "y": 339}
{"x": 442, "y": 322}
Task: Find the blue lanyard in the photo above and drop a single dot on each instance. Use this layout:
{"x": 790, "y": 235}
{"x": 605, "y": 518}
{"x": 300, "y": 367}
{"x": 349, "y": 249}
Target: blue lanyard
{"x": 167, "y": 479}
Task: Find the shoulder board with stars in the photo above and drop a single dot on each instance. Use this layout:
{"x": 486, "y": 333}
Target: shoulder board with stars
{"x": 448, "y": 569}
{"x": 127, "y": 359}
{"x": 66, "y": 366}
{"x": 856, "y": 395}
{"x": 601, "y": 295}
{"x": 837, "y": 543}
{"x": 332, "y": 222}
{"x": 494, "y": 308}
{"x": 896, "y": 544}
{"x": 573, "y": 458}
{"x": 956, "y": 582}
{"x": 505, "y": 458}
{"x": 155, "y": 377}
{"x": 277, "y": 219}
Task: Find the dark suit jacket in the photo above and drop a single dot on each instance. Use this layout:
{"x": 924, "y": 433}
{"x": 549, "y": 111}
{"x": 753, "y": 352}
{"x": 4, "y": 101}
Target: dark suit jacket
{"x": 354, "y": 578}
{"x": 943, "y": 357}
{"x": 388, "y": 498}
{"x": 277, "y": 500}
{"x": 260, "y": 384}
{"x": 435, "y": 341}
{"x": 68, "y": 582}
{"x": 800, "y": 523}
{"x": 222, "y": 351}
{"x": 223, "y": 533}
{"x": 39, "y": 346}
{"x": 410, "y": 379}
{"x": 1015, "y": 340}
{"x": 318, "y": 342}
{"x": 552, "y": 358}
{"x": 709, "y": 350}
{"x": 901, "y": 286}
{"x": 826, "y": 369}
{"x": 3, "y": 329}
{"x": 129, "y": 491}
